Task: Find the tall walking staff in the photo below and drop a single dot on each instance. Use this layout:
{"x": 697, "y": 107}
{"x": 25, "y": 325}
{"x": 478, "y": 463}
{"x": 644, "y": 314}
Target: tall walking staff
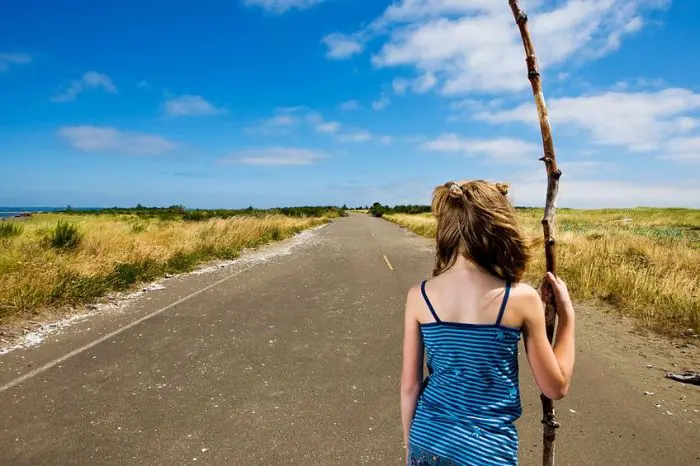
{"x": 549, "y": 419}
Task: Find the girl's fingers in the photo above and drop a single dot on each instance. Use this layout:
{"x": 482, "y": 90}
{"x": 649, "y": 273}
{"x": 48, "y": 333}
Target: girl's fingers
{"x": 551, "y": 278}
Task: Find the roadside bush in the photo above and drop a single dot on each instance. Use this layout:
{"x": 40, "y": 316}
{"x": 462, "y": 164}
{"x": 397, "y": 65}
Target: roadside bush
{"x": 65, "y": 236}
{"x": 195, "y": 216}
{"x": 377, "y": 210}
{"x": 139, "y": 226}
{"x": 10, "y": 229}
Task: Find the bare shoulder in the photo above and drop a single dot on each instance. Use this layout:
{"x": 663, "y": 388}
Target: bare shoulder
{"x": 413, "y": 299}
{"x": 525, "y": 299}
{"x": 523, "y": 290}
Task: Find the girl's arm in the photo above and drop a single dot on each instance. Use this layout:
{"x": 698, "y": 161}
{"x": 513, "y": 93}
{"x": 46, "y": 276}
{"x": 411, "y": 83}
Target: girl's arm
{"x": 412, "y": 368}
{"x": 551, "y": 366}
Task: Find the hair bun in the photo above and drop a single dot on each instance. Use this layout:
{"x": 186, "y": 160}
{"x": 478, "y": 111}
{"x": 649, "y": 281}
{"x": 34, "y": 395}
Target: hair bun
{"x": 502, "y": 188}
{"x": 455, "y": 191}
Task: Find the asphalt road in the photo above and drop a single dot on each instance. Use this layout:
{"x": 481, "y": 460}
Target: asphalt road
{"x": 294, "y": 360}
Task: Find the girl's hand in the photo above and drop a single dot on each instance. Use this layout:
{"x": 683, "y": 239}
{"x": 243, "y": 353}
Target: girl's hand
{"x": 552, "y": 285}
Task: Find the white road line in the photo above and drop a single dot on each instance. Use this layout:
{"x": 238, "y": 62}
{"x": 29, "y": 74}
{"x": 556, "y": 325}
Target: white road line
{"x": 387, "y": 263}
{"x": 373, "y": 236}
{"x": 103, "y": 338}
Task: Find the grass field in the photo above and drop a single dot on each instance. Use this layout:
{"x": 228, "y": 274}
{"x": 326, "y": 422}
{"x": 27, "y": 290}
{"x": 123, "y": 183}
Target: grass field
{"x": 53, "y": 260}
{"x": 643, "y": 262}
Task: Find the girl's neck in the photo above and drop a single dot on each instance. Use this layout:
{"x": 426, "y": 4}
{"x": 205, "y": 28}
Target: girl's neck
{"x": 465, "y": 265}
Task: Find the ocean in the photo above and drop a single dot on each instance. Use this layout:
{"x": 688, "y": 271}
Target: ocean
{"x": 14, "y": 211}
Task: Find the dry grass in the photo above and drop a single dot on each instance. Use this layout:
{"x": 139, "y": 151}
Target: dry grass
{"x": 116, "y": 252}
{"x": 643, "y": 262}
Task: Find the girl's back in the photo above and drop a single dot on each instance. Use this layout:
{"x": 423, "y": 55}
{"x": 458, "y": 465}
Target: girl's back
{"x": 467, "y": 410}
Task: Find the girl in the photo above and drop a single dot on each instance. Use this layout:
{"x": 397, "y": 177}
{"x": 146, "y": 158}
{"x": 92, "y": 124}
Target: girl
{"x": 469, "y": 319}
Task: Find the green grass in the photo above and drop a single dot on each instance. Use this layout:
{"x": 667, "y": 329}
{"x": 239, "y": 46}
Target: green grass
{"x": 139, "y": 225}
{"x": 10, "y": 229}
{"x": 65, "y": 236}
{"x": 59, "y": 260}
{"x": 178, "y": 212}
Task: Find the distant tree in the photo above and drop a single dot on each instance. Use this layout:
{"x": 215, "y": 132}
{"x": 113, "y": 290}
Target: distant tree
{"x": 69, "y": 208}
{"x": 411, "y": 209}
{"x": 345, "y": 207}
{"x": 139, "y": 206}
{"x": 377, "y": 210}
{"x": 177, "y": 209}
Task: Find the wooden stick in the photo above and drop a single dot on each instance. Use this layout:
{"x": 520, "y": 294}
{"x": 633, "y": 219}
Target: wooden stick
{"x": 549, "y": 419}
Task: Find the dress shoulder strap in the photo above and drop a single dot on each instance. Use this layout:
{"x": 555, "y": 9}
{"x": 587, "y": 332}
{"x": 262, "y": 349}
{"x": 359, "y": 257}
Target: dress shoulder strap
{"x": 503, "y": 304}
{"x": 427, "y": 301}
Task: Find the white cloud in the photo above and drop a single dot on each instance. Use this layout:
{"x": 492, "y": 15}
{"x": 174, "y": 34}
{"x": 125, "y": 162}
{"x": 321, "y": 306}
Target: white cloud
{"x": 639, "y": 84}
{"x": 466, "y": 109}
{"x": 190, "y": 105}
{"x": 349, "y": 105}
{"x": 419, "y": 85}
{"x": 641, "y": 122}
{"x": 585, "y": 167}
{"x": 504, "y": 149}
{"x": 314, "y": 118}
{"x": 281, "y": 120}
{"x": 468, "y": 57}
{"x": 358, "y": 136}
{"x": 595, "y": 193}
{"x": 473, "y": 45}
{"x": 280, "y": 6}
{"x": 350, "y": 134}
{"x": 400, "y": 85}
{"x": 7, "y": 59}
{"x": 634, "y": 25}
{"x": 280, "y": 123}
{"x": 424, "y": 83}
{"x": 381, "y": 103}
{"x": 275, "y": 156}
{"x": 341, "y": 46}
{"x": 90, "y": 80}
{"x": 331, "y": 127}
{"x": 107, "y": 139}
{"x": 683, "y": 150}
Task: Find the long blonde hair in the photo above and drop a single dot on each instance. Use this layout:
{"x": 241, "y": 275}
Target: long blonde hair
{"x": 477, "y": 220}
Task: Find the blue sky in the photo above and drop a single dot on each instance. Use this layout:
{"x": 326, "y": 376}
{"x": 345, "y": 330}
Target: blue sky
{"x": 289, "y": 102}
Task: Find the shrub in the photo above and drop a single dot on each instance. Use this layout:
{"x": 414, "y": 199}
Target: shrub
{"x": 9, "y": 229}
{"x": 183, "y": 261}
{"x": 139, "y": 226}
{"x": 126, "y": 274}
{"x": 65, "y": 236}
{"x": 377, "y": 210}
{"x": 195, "y": 216}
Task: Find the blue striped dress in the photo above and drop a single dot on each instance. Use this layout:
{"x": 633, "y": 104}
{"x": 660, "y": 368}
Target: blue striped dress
{"x": 467, "y": 410}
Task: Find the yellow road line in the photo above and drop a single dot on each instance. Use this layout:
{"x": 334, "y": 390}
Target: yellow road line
{"x": 388, "y": 264}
